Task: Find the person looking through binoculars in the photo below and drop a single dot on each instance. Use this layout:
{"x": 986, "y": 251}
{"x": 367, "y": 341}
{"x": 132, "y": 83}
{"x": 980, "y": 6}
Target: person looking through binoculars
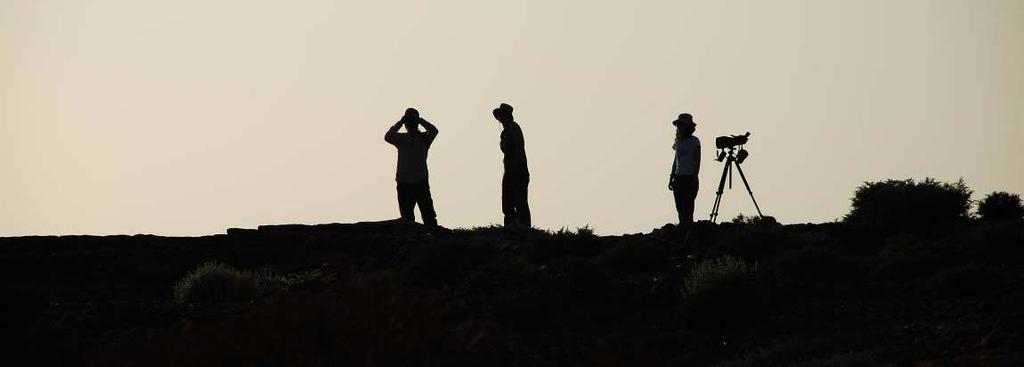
{"x": 683, "y": 180}
{"x": 411, "y": 173}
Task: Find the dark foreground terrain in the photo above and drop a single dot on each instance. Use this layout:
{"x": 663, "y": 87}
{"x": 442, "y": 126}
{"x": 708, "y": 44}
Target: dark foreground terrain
{"x": 390, "y": 293}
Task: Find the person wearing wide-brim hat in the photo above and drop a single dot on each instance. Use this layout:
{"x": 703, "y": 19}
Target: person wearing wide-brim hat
{"x": 516, "y": 180}
{"x": 683, "y": 180}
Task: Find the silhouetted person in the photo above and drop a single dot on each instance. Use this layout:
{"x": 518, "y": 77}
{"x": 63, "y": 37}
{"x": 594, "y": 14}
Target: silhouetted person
{"x": 516, "y": 179}
{"x": 411, "y": 174}
{"x": 685, "y": 167}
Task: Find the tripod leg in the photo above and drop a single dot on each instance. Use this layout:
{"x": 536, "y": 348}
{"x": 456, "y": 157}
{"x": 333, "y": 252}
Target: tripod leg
{"x": 738, "y": 168}
{"x": 721, "y": 187}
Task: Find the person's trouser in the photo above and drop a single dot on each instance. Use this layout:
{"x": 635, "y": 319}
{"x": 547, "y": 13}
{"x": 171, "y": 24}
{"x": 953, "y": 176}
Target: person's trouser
{"x": 513, "y": 200}
{"x": 685, "y": 192}
{"x": 411, "y": 194}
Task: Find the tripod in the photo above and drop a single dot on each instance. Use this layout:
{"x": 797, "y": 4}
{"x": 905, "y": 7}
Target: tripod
{"x": 727, "y": 171}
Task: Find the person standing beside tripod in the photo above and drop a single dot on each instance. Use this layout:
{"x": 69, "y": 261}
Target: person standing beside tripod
{"x": 683, "y": 180}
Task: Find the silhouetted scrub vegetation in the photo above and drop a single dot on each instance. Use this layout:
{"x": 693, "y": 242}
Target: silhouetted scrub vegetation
{"x": 552, "y": 245}
{"x": 215, "y": 282}
{"x": 270, "y": 282}
{"x": 751, "y": 292}
{"x": 723, "y": 292}
{"x": 1001, "y": 206}
{"x": 919, "y": 207}
{"x": 767, "y": 221}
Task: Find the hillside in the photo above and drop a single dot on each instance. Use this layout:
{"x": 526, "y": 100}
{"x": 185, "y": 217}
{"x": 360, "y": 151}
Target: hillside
{"x": 391, "y": 293}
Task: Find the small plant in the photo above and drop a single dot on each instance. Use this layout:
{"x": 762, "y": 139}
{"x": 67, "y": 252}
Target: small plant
{"x": 707, "y": 274}
{"x": 767, "y": 221}
{"x": 269, "y": 282}
{"x": 723, "y": 292}
{"x": 215, "y": 282}
{"x": 585, "y": 231}
{"x": 551, "y": 245}
{"x": 1001, "y": 206}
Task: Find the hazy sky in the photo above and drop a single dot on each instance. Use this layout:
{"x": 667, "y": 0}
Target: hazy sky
{"x": 188, "y": 117}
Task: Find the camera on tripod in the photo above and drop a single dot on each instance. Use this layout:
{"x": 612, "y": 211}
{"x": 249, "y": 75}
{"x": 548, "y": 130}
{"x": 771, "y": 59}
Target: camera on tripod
{"x": 727, "y": 152}
{"x": 725, "y": 142}
{"x": 729, "y": 143}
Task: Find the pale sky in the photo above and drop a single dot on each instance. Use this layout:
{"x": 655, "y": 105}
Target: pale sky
{"x": 189, "y": 117}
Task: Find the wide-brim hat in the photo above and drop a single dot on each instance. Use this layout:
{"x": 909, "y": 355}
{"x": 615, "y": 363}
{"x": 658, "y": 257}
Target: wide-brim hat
{"x": 683, "y": 120}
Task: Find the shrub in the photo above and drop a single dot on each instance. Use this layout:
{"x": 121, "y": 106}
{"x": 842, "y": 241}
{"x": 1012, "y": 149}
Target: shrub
{"x": 707, "y": 274}
{"x": 905, "y": 205}
{"x": 215, "y": 282}
{"x": 1001, "y": 206}
{"x": 723, "y": 292}
{"x": 552, "y": 245}
{"x": 268, "y": 282}
{"x": 767, "y": 221}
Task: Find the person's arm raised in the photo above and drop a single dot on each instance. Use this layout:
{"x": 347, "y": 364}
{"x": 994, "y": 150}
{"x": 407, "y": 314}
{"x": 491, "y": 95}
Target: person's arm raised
{"x": 431, "y": 132}
{"x": 392, "y": 135}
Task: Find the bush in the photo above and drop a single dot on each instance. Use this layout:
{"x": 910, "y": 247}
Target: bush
{"x": 268, "y": 282}
{"x": 893, "y": 206}
{"x": 552, "y": 245}
{"x": 215, "y": 282}
{"x": 1001, "y": 206}
{"x": 723, "y": 292}
{"x": 767, "y": 221}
